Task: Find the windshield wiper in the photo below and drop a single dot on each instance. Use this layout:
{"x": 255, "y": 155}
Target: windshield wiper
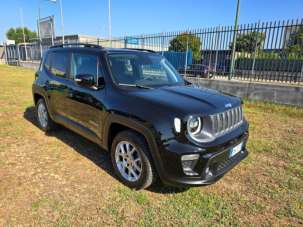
{"x": 135, "y": 85}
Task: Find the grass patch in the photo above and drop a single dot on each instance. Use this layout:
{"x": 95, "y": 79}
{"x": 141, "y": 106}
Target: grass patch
{"x": 138, "y": 196}
{"x": 190, "y": 208}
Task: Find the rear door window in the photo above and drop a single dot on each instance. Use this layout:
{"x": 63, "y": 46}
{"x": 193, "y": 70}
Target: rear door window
{"x": 59, "y": 64}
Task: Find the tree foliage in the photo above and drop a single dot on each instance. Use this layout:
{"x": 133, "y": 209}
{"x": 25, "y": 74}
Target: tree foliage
{"x": 179, "y": 43}
{"x": 248, "y": 42}
{"x": 17, "y": 34}
{"x": 295, "y": 43}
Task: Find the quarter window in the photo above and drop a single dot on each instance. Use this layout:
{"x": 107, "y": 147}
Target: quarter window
{"x": 47, "y": 62}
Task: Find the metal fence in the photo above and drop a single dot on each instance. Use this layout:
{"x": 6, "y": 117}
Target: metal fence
{"x": 265, "y": 51}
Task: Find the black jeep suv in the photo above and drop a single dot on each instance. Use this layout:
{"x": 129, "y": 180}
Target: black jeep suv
{"x": 133, "y": 103}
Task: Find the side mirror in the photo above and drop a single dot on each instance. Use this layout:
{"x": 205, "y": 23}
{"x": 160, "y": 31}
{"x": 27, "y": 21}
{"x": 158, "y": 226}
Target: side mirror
{"x": 85, "y": 80}
{"x": 187, "y": 82}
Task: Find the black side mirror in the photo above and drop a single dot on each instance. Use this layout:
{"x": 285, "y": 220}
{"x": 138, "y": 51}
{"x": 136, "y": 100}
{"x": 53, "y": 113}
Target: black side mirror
{"x": 85, "y": 80}
{"x": 187, "y": 83}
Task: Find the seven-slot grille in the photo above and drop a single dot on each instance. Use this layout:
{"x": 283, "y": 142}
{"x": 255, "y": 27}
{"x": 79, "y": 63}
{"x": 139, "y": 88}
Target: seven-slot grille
{"x": 227, "y": 120}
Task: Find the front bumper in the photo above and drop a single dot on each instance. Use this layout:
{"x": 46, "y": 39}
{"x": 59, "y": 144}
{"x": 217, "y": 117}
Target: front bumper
{"x": 214, "y": 161}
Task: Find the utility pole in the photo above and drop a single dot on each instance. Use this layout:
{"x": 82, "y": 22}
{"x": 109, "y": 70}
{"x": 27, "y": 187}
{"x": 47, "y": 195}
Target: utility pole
{"x": 109, "y": 23}
{"x": 39, "y": 32}
{"x": 52, "y": 29}
{"x": 22, "y": 25}
{"x": 232, "y": 65}
{"x": 62, "y": 20}
{"x": 217, "y": 48}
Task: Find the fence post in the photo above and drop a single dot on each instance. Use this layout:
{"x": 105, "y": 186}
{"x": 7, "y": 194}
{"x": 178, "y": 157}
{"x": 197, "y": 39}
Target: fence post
{"x": 142, "y": 42}
{"x": 186, "y": 53}
{"x": 5, "y": 51}
{"x": 125, "y": 42}
{"x": 18, "y": 53}
{"x": 162, "y": 43}
{"x": 217, "y": 48}
{"x": 301, "y": 74}
{"x": 211, "y": 47}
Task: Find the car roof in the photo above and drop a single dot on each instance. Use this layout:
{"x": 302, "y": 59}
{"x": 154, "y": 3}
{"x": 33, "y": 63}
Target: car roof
{"x": 127, "y": 50}
{"x": 97, "y": 48}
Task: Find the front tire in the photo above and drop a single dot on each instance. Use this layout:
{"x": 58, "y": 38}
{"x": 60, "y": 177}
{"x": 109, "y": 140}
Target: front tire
{"x": 42, "y": 116}
{"x": 131, "y": 160}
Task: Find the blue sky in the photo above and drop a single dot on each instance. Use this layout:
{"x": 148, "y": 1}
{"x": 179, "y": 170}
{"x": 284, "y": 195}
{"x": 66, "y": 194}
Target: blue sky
{"x": 131, "y": 17}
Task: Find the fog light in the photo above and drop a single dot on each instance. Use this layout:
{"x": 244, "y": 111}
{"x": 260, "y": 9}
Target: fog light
{"x": 188, "y": 164}
{"x": 208, "y": 172}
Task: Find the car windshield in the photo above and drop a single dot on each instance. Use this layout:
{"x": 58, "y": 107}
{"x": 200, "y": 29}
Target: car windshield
{"x": 143, "y": 69}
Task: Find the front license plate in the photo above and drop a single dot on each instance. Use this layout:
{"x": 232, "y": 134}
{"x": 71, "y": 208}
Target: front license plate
{"x": 235, "y": 150}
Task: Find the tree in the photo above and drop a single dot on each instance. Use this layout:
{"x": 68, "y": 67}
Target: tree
{"x": 17, "y": 34}
{"x": 248, "y": 42}
{"x": 295, "y": 43}
{"x": 179, "y": 43}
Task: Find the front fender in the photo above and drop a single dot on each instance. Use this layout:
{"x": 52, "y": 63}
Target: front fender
{"x": 143, "y": 128}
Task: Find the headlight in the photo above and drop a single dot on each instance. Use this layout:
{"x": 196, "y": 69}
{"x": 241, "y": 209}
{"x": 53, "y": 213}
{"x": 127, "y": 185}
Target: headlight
{"x": 199, "y": 129}
{"x": 194, "y": 126}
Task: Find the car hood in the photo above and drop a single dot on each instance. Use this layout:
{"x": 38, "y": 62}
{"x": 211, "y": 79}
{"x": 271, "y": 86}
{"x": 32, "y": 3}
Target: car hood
{"x": 188, "y": 99}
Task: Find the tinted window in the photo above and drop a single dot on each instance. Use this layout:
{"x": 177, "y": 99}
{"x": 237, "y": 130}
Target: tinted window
{"x": 47, "y": 62}
{"x": 86, "y": 64}
{"x": 59, "y": 64}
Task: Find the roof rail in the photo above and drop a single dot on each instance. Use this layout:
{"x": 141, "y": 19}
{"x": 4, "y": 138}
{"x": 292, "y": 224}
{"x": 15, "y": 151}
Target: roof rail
{"x": 141, "y": 49}
{"x": 76, "y": 45}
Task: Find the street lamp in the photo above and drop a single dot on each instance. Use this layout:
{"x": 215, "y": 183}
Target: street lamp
{"x": 109, "y": 22}
{"x": 62, "y": 22}
{"x": 24, "y": 40}
{"x": 232, "y": 65}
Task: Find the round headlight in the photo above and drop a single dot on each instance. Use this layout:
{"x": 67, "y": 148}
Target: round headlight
{"x": 194, "y": 125}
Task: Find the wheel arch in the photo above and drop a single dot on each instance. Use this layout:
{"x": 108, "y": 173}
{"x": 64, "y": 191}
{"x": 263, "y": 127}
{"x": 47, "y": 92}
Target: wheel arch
{"x": 38, "y": 94}
{"x": 117, "y": 123}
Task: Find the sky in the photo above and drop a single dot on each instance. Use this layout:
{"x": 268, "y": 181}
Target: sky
{"x": 133, "y": 17}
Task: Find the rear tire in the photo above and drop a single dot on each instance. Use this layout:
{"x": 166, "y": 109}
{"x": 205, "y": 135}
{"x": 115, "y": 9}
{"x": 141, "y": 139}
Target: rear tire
{"x": 42, "y": 116}
{"x": 131, "y": 160}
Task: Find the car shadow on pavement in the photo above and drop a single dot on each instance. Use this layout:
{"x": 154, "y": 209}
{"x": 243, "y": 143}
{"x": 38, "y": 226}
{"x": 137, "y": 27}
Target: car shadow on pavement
{"x": 91, "y": 151}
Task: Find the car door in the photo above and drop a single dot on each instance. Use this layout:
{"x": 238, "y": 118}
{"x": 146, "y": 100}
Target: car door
{"x": 86, "y": 104}
{"x": 56, "y": 84}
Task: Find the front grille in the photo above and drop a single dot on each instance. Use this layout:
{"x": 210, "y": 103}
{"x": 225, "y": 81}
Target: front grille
{"x": 227, "y": 120}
